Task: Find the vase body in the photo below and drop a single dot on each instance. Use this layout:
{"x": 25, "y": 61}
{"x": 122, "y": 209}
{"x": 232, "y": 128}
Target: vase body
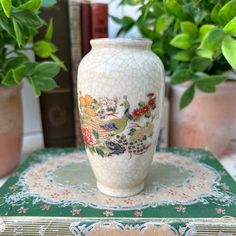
{"x": 11, "y": 126}
{"x": 209, "y": 121}
{"x": 120, "y": 93}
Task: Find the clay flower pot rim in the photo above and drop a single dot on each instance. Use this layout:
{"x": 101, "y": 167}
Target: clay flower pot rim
{"x": 228, "y": 85}
{"x": 130, "y": 42}
{"x": 7, "y": 91}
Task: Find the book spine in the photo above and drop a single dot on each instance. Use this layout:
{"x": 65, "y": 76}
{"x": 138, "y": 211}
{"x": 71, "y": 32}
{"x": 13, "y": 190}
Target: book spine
{"x": 86, "y": 34}
{"x": 57, "y": 109}
{"x": 75, "y": 37}
{"x": 99, "y": 13}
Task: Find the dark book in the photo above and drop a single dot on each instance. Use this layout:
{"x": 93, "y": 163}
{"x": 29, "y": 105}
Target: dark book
{"x": 59, "y": 131}
{"x": 99, "y": 13}
{"x": 75, "y": 37}
{"x": 86, "y": 33}
{"x": 94, "y": 23}
{"x": 187, "y": 192}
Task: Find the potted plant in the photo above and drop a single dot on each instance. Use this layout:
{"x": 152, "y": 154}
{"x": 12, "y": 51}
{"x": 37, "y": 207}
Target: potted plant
{"x": 196, "y": 40}
{"x": 19, "y": 23}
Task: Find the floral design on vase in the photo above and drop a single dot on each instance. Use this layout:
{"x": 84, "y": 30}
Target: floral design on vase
{"x": 109, "y": 127}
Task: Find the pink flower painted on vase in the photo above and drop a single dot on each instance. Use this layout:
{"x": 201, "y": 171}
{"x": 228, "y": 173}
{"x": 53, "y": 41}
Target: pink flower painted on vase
{"x": 88, "y": 137}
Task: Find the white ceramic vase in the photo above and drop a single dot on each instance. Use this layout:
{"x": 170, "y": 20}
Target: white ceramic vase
{"x": 120, "y": 93}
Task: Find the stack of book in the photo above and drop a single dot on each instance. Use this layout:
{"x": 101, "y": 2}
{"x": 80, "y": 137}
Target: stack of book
{"x": 75, "y": 24}
{"x": 187, "y": 192}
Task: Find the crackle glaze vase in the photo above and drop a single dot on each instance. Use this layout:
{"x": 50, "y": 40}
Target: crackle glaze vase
{"x": 120, "y": 93}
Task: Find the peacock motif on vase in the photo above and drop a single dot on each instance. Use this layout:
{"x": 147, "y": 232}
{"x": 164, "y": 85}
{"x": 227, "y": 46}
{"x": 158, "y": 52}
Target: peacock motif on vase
{"x": 110, "y": 127}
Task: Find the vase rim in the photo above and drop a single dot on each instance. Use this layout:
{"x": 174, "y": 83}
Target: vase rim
{"x": 121, "y": 42}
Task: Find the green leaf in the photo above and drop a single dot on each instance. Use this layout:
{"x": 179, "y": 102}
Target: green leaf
{"x": 230, "y": 28}
{"x": 127, "y": 23}
{"x": 163, "y": 23}
{"x": 14, "y": 62}
{"x": 173, "y": 7}
{"x": 214, "y": 12}
{"x": 182, "y": 41}
{"x": 208, "y": 84}
{"x": 204, "y": 30}
{"x": 181, "y": 76}
{"x": 49, "y": 32}
{"x": 200, "y": 63}
{"x": 59, "y": 62}
{"x": 44, "y": 49}
{"x": 14, "y": 76}
{"x": 6, "y": 6}
{"x": 19, "y": 74}
{"x": 227, "y": 12}
{"x": 32, "y": 5}
{"x": 100, "y": 152}
{"x": 211, "y": 43}
{"x": 7, "y": 25}
{"x": 182, "y": 56}
{"x": 30, "y": 66}
{"x": 46, "y": 69}
{"x": 8, "y": 79}
{"x": 48, "y": 3}
{"x": 130, "y": 2}
{"x": 27, "y": 18}
{"x": 95, "y": 134}
{"x": 117, "y": 20}
{"x": 44, "y": 83}
{"x": 35, "y": 87}
{"x": 206, "y": 88}
{"x": 187, "y": 96}
{"x": 189, "y": 28}
{"x": 18, "y": 33}
{"x": 141, "y": 104}
{"x": 229, "y": 49}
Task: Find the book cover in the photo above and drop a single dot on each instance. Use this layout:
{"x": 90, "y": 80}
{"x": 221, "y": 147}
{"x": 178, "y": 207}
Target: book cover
{"x": 99, "y": 13}
{"x": 75, "y": 38}
{"x": 53, "y": 192}
{"x": 59, "y": 103}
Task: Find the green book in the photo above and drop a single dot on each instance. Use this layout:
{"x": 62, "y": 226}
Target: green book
{"x": 187, "y": 192}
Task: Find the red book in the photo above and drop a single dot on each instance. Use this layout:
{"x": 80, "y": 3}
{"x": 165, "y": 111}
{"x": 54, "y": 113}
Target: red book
{"x": 99, "y": 13}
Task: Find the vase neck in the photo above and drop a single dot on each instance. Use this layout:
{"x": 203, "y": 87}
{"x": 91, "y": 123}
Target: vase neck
{"x": 143, "y": 44}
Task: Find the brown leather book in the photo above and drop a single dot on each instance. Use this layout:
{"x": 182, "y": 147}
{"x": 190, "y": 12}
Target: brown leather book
{"x": 86, "y": 33}
{"x": 99, "y": 13}
{"x": 57, "y": 106}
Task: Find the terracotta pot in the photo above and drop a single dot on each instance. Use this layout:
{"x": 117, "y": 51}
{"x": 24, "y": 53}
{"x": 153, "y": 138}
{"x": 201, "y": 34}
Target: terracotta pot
{"x": 208, "y": 122}
{"x": 11, "y": 126}
{"x": 121, "y": 91}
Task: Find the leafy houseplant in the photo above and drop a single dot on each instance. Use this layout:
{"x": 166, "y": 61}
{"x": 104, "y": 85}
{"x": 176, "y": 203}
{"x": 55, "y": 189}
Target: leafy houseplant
{"x": 195, "y": 39}
{"x": 19, "y": 23}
